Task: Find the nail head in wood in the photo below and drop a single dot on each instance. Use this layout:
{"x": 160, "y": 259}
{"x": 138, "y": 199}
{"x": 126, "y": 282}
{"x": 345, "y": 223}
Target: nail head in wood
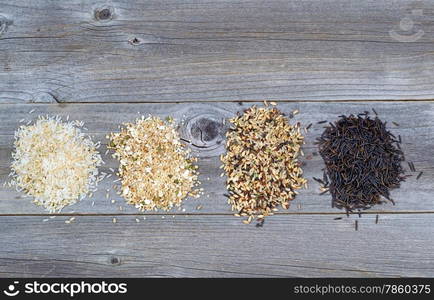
{"x": 115, "y": 260}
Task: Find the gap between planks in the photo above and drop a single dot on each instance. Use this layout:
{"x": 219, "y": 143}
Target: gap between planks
{"x": 218, "y": 214}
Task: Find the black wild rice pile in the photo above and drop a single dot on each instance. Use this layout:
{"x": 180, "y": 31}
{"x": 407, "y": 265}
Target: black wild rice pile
{"x": 363, "y": 161}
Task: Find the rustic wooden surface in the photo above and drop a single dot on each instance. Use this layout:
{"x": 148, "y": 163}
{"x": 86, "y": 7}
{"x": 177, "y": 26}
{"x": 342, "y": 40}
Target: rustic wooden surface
{"x": 202, "y": 61}
{"x": 175, "y": 50}
{"x": 301, "y": 245}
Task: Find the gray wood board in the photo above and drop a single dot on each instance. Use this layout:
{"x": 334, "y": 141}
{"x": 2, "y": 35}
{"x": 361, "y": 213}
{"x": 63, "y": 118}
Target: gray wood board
{"x": 416, "y": 128}
{"x": 173, "y": 50}
{"x": 218, "y": 246}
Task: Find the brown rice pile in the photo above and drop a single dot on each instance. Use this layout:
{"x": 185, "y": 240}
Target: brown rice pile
{"x": 156, "y": 169}
{"x": 55, "y": 162}
{"x": 261, "y": 162}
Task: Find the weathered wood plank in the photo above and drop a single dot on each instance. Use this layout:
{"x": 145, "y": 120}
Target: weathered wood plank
{"x": 416, "y": 129}
{"x": 172, "y": 50}
{"x": 218, "y": 246}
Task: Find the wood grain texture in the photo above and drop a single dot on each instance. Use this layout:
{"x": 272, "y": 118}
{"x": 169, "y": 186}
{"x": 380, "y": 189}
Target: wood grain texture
{"x": 107, "y": 62}
{"x": 218, "y": 246}
{"x": 173, "y": 50}
{"x": 416, "y": 127}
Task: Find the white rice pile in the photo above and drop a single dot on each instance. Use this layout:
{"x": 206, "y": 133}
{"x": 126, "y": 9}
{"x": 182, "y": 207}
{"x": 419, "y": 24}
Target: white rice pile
{"x": 55, "y": 162}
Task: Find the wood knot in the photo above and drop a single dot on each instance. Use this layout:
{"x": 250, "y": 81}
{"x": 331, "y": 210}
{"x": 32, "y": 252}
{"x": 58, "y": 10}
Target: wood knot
{"x": 104, "y": 13}
{"x": 134, "y": 41}
{"x": 205, "y": 132}
{"x": 4, "y": 24}
{"x": 115, "y": 261}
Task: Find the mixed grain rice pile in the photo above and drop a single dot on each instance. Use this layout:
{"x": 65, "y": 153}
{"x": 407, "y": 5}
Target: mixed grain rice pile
{"x": 156, "y": 169}
{"x": 55, "y": 162}
{"x": 261, "y": 162}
